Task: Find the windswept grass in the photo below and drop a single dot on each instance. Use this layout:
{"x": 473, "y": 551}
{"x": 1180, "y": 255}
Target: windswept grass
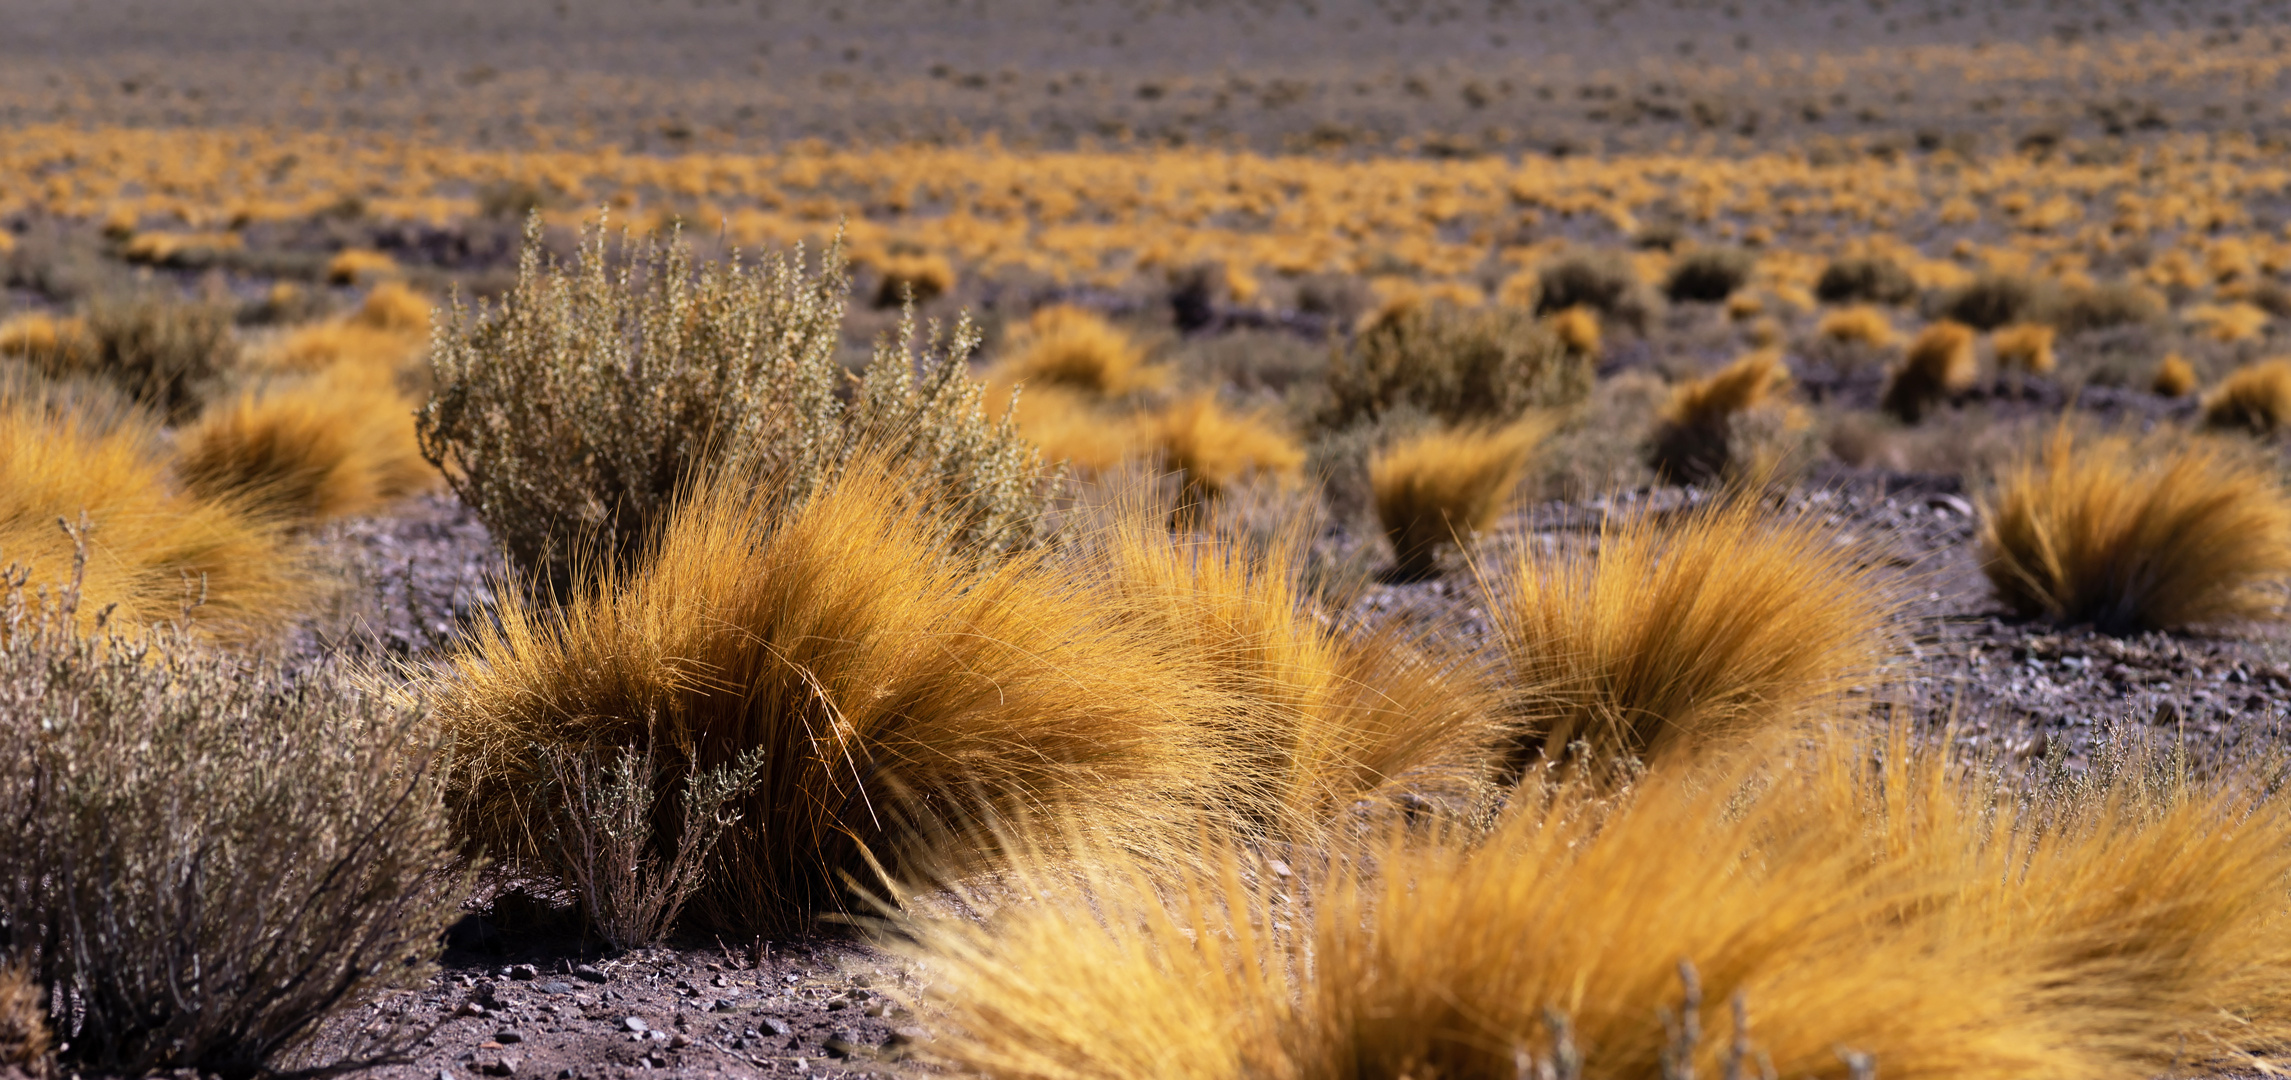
{"x": 1213, "y": 449}
{"x": 1860, "y": 324}
{"x": 1939, "y": 364}
{"x": 1836, "y": 899}
{"x": 1445, "y": 487}
{"x": 2174, "y": 377}
{"x": 2138, "y": 536}
{"x": 1077, "y": 431}
{"x": 1076, "y": 350}
{"x": 2254, "y": 399}
{"x": 1682, "y": 633}
{"x": 1695, "y": 440}
{"x": 2025, "y": 347}
{"x": 307, "y": 451}
{"x": 892, "y": 688}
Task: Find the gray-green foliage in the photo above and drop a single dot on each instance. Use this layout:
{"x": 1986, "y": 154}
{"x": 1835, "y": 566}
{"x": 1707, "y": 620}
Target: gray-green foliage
{"x": 1461, "y": 366}
{"x": 570, "y": 414}
{"x": 205, "y": 857}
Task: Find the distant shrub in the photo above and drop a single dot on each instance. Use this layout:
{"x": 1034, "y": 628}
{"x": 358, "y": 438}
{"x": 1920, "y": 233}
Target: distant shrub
{"x": 1605, "y": 284}
{"x": 1696, "y": 439}
{"x": 49, "y": 343}
{"x": 2132, "y": 537}
{"x": 164, "y": 354}
{"x": 1212, "y": 450}
{"x": 1445, "y": 487}
{"x": 1077, "y": 349}
{"x": 352, "y": 266}
{"x": 2228, "y": 323}
{"x": 2103, "y": 306}
{"x": 1939, "y": 364}
{"x": 1859, "y": 325}
{"x": 25, "y": 1040}
{"x": 2025, "y": 347}
{"x": 1462, "y": 366}
{"x": 922, "y": 278}
{"x": 285, "y": 303}
{"x": 206, "y": 858}
{"x": 1865, "y": 281}
{"x": 311, "y": 451}
{"x": 1708, "y": 275}
{"x": 575, "y": 409}
{"x": 1578, "y": 330}
{"x": 2174, "y": 377}
{"x": 1990, "y": 301}
{"x": 2254, "y": 399}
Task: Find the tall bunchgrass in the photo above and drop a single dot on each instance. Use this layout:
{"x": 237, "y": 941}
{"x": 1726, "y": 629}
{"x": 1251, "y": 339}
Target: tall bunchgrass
{"x": 1213, "y": 449}
{"x": 1445, "y": 487}
{"x": 1078, "y": 350}
{"x": 1682, "y": 632}
{"x": 321, "y": 448}
{"x": 1939, "y": 365}
{"x": 1698, "y": 438}
{"x": 2254, "y": 399}
{"x": 2131, "y": 536}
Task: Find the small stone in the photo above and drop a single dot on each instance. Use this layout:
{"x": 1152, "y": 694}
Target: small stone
{"x": 556, "y": 988}
{"x": 635, "y": 1024}
{"x": 719, "y": 981}
{"x": 508, "y": 1035}
{"x": 470, "y": 1008}
{"x": 564, "y": 1074}
{"x": 721, "y": 1005}
{"x": 506, "y": 1065}
{"x": 875, "y": 1009}
{"x": 837, "y": 1004}
{"x": 522, "y": 972}
{"x": 445, "y": 1074}
{"x": 585, "y": 973}
{"x": 839, "y": 1044}
{"x": 679, "y": 1041}
{"x": 775, "y": 1025}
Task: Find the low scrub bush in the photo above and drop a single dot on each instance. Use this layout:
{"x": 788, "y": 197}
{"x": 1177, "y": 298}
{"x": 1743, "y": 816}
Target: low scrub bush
{"x": 1708, "y": 275}
{"x": 25, "y": 1039}
{"x": 2130, "y": 537}
{"x": 1077, "y": 350}
{"x": 1212, "y": 450}
{"x": 2174, "y": 377}
{"x": 307, "y": 451}
{"x": 2254, "y": 399}
{"x": 1698, "y": 437}
{"x": 205, "y": 857}
{"x": 1990, "y": 301}
{"x": 2101, "y": 307}
{"x": 1673, "y": 636}
{"x": 1939, "y": 365}
{"x": 1605, "y": 284}
{"x": 571, "y": 413}
{"x": 167, "y": 355}
{"x": 2025, "y": 347}
{"x": 1820, "y": 911}
{"x": 1865, "y": 281}
{"x": 896, "y": 694}
{"x": 1460, "y": 365}
{"x": 1445, "y": 487}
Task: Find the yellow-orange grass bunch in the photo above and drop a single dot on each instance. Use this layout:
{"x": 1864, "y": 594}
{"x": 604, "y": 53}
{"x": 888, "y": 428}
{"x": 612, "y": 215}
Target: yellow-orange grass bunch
{"x": 1445, "y": 487}
{"x": 1212, "y": 449}
{"x": 2174, "y": 377}
{"x": 1693, "y": 441}
{"x": 1320, "y": 717}
{"x": 24, "y": 1037}
{"x": 919, "y": 277}
{"x": 1835, "y": 899}
{"x": 351, "y": 266}
{"x": 1578, "y": 330}
{"x": 150, "y": 548}
{"x": 1679, "y": 634}
{"x": 2256, "y": 398}
{"x": 2138, "y": 536}
{"x": 384, "y": 337}
{"x": 1077, "y": 430}
{"x": 898, "y": 692}
{"x": 1939, "y": 363}
{"x": 2025, "y": 347}
{"x": 307, "y": 451}
{"x": 2230, "y": 323}
{"x": 1078, "y": 350}
{"x": 39, "y": 337}
{"x": 1861, "y": 324}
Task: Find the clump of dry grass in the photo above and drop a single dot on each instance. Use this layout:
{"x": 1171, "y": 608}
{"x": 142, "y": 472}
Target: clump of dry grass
{"x": 351, "y": 266}
{"x": 24, "y": 1038}
{"x": 1078, "y": 350}
{"x": 2174, "y": 377}
{"x": 1836, "y": 905}
{"x": 1605, "y": 283}
{"x": 1860, "y": 324}
{"x": 1213, "y": 449}
{"x": 46, "y": 340}
{"x": 894, "y": 690}
{"x": 1077, "y": 431}
{"x": 393, "y": 306}
{"x": 307, "y": 451}
{"x": 1709, "y": 275}
{"x": 1578, "y": 329}
{"x": 2025, "y": 347}
{"x": 917, "y": 277}
{"x": 2255, "y": 399}
{"x": 1695, "y": 441}
{"x": 1445, "y": 487}
{"x": 2130, "y": 536}
{"x": 165, "y": 354}
{"x": 1939, "y": 364}
{"x": 1866, "y": 280}
{"x": 1682, "y": 634}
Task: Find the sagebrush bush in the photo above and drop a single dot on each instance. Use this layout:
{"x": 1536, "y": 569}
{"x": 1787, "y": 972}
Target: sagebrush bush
{"x": 1673, "y": 636}
{"x": 1821, "y": 910}
{"x": 1708, "y": 275}
{"x": 1445, "y": 487}
{"x": 1990, "y": 301}
{"x": 2174, "y": 377}
{"x": 1865, "y": 281}
{"x": 2100, "y": 307}
{"x": 2133, "y": 536}
{"x": 206, "y": 857}
{"x": 1603, "y": 283}
{"x": 1460, "y": 365}
{"x": 2254, "y": 399}
{"x": 1695, "y": 441}
{"x": 898, "y": 692}
{"x": 1939, "y": 365}
{"x": 25, "y": 1039}
{"x": 2025, "y": 347}
{"x": 570, "y": 414}
{"x": 310, "y": 450}
{"x": 1078, "y": 350}
{"x": 1212, "y": 449}
{"x": 164, "y": 353}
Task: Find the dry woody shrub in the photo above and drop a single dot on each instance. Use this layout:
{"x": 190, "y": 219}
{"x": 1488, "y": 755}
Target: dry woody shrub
{"x": 2131, "y": 536}
{"x": 1604, "y": 283}
{"x": 1867, "y": 281}
{"x": 1460, "y": 365}
{"x": 1708, "y": 275}
{"x": 1443, "y": 488}
{"x": 165, "y": 354}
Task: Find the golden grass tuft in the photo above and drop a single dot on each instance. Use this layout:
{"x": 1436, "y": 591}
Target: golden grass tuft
{"x": 2174, "y": 377}
{"x": 310, "y": 451}
{"x": 1444, "y": 487}
{"x": 395, "y": 307}
{"x": 352, "y": 266}
{"x": 152, "y": 549}
{"x": 1693, "y": 441}
{"x": 1861, "y": 324}
{"x": 2228, "y": 323}
{"x": 1079, "y": 350}
{"x": 921, "y": 277}
{"x": 1939, "y": 364}
{"x": 47, "y": 340}
{"x": 2025, "y": 347}
{"x": 2133, "y": 536}
{"x": 892, "y": 686}
{"x": 1839, "y": 897}
{"x": 1578, "y": 329}
{"x": 2255, "y": 399}
{"x": 1213, "y": 450}
{"x": 1077, "y": 430}
{"x": 1682, "y": 633}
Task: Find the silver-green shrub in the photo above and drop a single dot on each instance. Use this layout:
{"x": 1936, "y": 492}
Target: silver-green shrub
{"x": 569, "y": 415}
